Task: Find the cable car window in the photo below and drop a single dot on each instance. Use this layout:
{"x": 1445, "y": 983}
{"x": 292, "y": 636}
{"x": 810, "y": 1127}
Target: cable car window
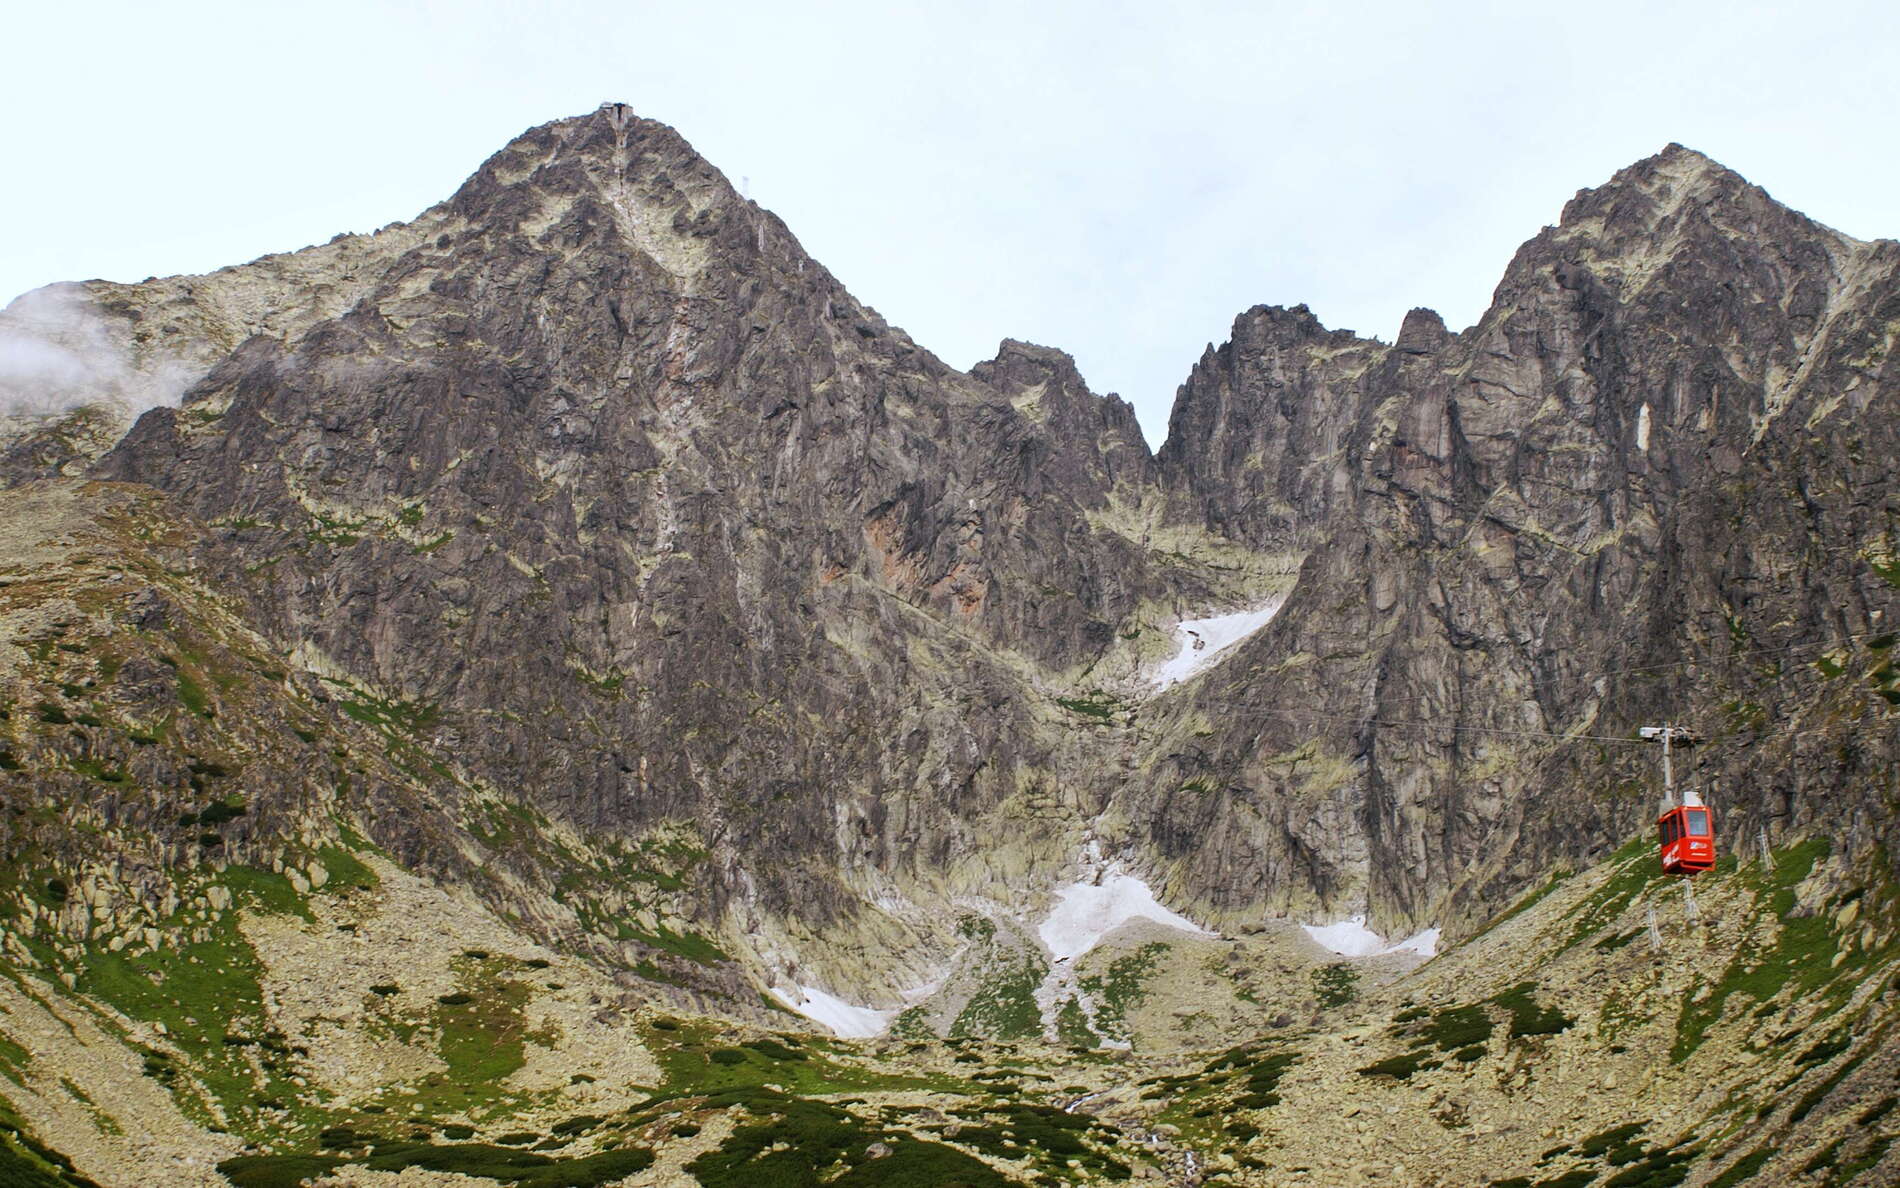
{"x": 1698, "y": 824}
{"x": 1669, "y": 830}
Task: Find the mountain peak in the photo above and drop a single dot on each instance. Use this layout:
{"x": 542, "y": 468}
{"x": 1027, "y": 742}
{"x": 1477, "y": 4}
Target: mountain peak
{"x": 609, "y": 154}
{"x": 1663, "y": 193}
{"x": 1025, "y": 363}
{"x": 1036, "y": 379}
{"x": 1660, "y": 182}
{"x": 1679, "y": 154}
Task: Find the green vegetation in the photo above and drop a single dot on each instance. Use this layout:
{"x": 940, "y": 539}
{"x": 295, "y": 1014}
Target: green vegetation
{"x": 1122, "y": 987}
{"x": 690, "y": 945}
{"x": 345, "y": 869}
{"x": 479, "y": 1031}
{"x": 1801, "y": 952}
{"x": 1043, "y": 1136}
{"x": 772, "y": 1049}
{"x": 1527, "y": 1018}
{"x": 1463, "y": 1031}
{"x": 1619, "y": 1148}
{"x": 523, "y": 1168}
{"x": 1743, "y": 1169}
{"x": 215, "y": 814}
{"x": 1458, "y": 1027}
{"x": 501, "y": 826}
{"x": 1818, "y": 1094}
{"x": 974, "y": 927}
{"x": 1576, "y": 1178}
{"x": 1004, "y": 1006}
{"x": 1336, "y": 984}
{"x": 913, "y": 1023}
{"x": 208, "y": 995}
{"x": 333, "y": 532}
{"x": 391, "y": 716}
{"x": 1401, "y": 1067}
{"x": 483, "y": 1033}
{"x": 1072, "y": 1026}
{"x": 1657, "y": 1169}
{"x": 264, "y": 890}
{"x": 27, "y": 1163}
{"x": 94, "y": 769}
{"x": 608, "y": 685}
{"x": 14, "y": 1061}
{"x": 276, "y": 1171}
{"x": 1827, "y": 1049}
{"x": 191, "y": 694}
{"x": 1619, "y": 1016}
{"x": 1262, "y": 1078}
{"x": 1636, "y": 869}
{"x": 1824, "y": 1159}
{"x": 1597, "y": 1144}
{"x": 685, "y": 1051}
{"x": 1525, "y": 903}
{"x": 1097, "y": 705}
{"x": 1873, "y": 1154}
{"x": 794, "y": 1143}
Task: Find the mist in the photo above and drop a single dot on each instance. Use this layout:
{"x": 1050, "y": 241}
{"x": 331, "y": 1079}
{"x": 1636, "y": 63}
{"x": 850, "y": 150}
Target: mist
{"x": 60, "y": 351}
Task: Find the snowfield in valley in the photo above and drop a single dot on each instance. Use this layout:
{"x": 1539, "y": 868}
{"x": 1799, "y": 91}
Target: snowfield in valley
{"x": 1205, "y": 641}
{"x": 1351, "y": 938}
{"x": 845, "y": 1019}
{"x": 1087, "y": 912}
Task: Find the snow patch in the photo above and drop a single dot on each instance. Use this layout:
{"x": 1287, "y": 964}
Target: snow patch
{"x": 1203, "y": 641}
{"x": 845, "y": 1019}
{"x": 1351, "y": 938}
{"x": 1642, "y": 428}
{"x": 1423, "y": 943}
{"x": 1087, "y": 912}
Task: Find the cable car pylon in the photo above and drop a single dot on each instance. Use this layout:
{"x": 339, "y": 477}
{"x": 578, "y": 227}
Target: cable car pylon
{"x": 1686, "y": 826}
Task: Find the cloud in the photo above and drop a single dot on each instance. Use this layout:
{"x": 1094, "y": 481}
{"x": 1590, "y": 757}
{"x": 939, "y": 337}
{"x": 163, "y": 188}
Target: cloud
{"x": 59, "y": 351}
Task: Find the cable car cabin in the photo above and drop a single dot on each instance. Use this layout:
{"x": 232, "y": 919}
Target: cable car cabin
{"x": 1688, "y": 840}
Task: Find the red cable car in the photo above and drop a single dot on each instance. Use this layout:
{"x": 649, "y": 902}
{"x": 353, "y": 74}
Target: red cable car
{"x": 1686, "y": 825}
{"x": 1688, "y": 839}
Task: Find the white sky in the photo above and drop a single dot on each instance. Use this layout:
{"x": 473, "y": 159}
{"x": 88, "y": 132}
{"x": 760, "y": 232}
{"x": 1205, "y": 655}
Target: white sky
{"x": 1118, "y": 180}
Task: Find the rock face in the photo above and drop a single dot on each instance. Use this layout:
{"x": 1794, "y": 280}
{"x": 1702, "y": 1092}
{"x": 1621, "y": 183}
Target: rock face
{"x": 1654, "y": 482}
{"x": 651, "y": 529}
{"x": 666, "y": 527}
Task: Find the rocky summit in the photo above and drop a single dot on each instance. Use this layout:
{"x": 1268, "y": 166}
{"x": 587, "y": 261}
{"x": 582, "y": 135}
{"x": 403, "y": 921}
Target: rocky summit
{"x": 559, "y": 692}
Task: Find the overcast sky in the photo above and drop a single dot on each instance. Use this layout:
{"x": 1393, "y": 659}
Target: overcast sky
{"x": 1118, "y": 180}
